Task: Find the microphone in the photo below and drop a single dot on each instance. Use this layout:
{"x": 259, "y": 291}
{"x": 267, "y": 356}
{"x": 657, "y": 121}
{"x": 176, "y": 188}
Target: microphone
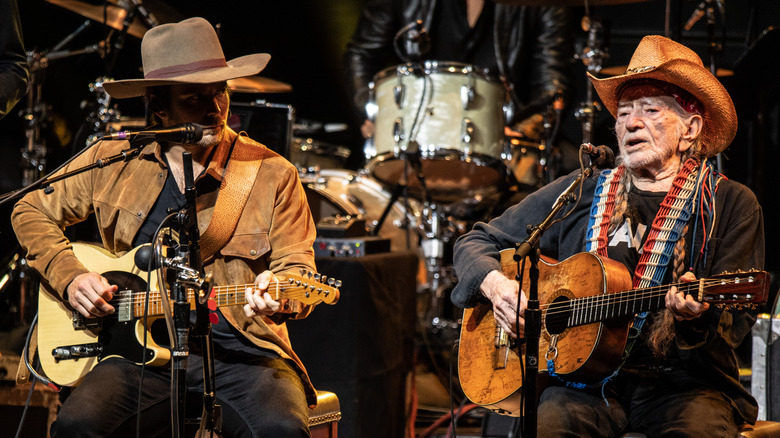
{"x": 601, "y": 156}
{"x": 186, "y": 133}
{"x": 149, "y": 19}
{"x": 416, "y": 41}
{"x": 696, "y": 16}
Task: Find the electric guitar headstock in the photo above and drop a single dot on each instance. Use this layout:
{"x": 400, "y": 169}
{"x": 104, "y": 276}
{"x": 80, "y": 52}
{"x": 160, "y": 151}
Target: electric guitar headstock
{"x": 309, "y": 287}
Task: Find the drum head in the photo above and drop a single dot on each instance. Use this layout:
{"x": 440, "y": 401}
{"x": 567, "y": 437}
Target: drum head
{"x": 451, "y": 115}
{"x": 345, "y": 193}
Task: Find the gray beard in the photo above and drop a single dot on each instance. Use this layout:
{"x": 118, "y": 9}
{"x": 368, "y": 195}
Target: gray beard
{"x": 211, "y": 137}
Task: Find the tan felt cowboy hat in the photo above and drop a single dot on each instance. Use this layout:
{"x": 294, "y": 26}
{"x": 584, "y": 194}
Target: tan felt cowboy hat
{"x": 185, "y": 52}
{"x": 661, "y": 59}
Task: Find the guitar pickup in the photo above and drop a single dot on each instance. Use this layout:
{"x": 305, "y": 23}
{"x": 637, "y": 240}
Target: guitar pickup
{"x": 81, "y": 323}
{"x": 76, "y": 351}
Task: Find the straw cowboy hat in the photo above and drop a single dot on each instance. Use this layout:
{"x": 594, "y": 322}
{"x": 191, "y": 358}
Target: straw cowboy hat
{"x": 661, "y": 59}
{"x": 185, "y": 52}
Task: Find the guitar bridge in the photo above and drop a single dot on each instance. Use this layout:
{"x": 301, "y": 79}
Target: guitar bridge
{"x": 501, "y": 354}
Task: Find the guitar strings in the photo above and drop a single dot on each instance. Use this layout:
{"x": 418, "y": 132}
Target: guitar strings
{"x": 609, "y": 300}
{"x": 224, "y": 296}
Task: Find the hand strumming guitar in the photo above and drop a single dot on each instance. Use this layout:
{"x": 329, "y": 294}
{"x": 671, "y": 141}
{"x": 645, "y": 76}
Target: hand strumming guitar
{"x": 89, "y": 294}
{"x": 502, "y": 293}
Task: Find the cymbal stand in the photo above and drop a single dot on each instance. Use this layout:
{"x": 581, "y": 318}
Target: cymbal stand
{"x": 592, "y": 56}
{"x": 100, "y": 119}
{"x": 35, "y": 117}
{"x": 438, "y": 275}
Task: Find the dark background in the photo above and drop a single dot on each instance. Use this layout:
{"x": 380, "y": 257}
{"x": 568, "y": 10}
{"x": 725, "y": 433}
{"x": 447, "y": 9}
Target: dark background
{"x": 306, "y": 40}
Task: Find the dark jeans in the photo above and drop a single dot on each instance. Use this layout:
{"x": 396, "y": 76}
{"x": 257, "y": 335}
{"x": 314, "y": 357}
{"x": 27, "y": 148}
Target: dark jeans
{"x": 260, "y": 397}
{"x": 656, "y": 405}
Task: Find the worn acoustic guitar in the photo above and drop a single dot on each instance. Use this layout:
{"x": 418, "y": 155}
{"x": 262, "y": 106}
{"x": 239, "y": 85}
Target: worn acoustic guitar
{"x": 70, "y": 345}
{"x": 587, "y": 305}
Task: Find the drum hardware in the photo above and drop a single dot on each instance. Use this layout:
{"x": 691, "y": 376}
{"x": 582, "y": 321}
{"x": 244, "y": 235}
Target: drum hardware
{"x": 592, "y": 57}
{"x": 332, "y": 192}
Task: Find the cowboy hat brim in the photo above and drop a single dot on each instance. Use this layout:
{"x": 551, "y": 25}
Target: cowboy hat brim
{"x": 248, "y": 65}
{"x": 720, "y": 116}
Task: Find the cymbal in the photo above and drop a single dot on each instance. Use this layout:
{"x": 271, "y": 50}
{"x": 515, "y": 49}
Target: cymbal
{"x": 565, "y": 2}
{"x": 621, "y": 69}
{"x": 258, "y": 84}
{"x": 114, "y": 12}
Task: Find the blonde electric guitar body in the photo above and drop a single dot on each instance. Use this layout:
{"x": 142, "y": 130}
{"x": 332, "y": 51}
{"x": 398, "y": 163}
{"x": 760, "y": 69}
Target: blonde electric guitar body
{"x": 70, "y": 345}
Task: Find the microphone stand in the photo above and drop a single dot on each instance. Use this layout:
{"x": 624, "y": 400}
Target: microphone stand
{"x": 533, "y": 329}
{"x": 189, "y": 249}
{"x": 45, "y": 182}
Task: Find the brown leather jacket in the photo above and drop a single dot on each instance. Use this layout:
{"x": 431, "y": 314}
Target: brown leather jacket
{"x": 275, "y": 230}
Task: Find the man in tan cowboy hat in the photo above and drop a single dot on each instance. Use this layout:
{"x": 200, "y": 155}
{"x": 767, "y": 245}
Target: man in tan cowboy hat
{"x": 254, "y": 223}
{"x": 662, "y": 216}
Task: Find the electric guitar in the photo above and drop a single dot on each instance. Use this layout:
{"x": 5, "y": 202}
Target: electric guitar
{"x": 586, "y": 305}
{"x": 70, "y": 345}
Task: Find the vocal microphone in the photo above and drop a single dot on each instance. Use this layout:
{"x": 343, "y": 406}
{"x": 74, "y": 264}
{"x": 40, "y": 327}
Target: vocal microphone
{"x": 601, "y": 156}
{"x": 149, "y": 19}
{"x": 696, "y": 16}
{"x": 186, "y": 133}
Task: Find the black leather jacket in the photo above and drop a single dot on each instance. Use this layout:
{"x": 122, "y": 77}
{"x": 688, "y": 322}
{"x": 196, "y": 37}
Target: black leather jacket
{"x": 533, "y": 49}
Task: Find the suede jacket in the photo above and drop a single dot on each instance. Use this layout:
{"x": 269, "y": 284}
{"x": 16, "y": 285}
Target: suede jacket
{"x": 275, "y": 230}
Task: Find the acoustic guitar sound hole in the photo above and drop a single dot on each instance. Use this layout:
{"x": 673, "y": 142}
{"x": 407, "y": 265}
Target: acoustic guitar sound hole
{"x": 557, "y": 315}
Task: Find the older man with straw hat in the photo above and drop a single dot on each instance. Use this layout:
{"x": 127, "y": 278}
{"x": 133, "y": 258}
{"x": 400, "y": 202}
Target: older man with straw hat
{"x": 667, "y": 217}
{"x": 254, "y": 223}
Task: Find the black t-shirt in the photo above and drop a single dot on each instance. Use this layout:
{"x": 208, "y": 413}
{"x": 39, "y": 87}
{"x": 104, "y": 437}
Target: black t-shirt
{"x": 625, "y": 246}
{"x": 171, "y": 199}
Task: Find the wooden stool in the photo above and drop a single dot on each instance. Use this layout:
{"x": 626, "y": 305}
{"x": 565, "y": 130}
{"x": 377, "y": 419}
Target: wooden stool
{"x": 762, "y": 429}
{"x": 323, "y": 420}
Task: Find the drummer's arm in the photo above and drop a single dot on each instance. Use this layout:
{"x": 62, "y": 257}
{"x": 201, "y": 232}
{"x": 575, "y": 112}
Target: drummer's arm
{"x": 369, "y": 50}
{"x": 554, "y": 50}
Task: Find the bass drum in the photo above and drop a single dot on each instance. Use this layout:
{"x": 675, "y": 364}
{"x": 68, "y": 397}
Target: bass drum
{"x": 344, "y": 193}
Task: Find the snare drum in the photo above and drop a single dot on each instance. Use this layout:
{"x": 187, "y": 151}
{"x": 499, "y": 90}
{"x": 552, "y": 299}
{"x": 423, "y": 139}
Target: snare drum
{"x": 342, "y": 192}
{"x": 451, "y": 114}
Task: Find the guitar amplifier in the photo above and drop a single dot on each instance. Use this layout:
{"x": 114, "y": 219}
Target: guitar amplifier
{"x": 269, "y": 123}
{"x": 350, "y": 246}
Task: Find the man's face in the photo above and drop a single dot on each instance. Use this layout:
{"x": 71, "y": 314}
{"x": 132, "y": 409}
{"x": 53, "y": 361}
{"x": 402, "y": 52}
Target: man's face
{"x": 204, "y": 104}
{"x": 649, "y": 133}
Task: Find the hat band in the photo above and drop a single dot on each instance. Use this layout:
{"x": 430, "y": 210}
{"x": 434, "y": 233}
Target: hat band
{"x": 646, "y": 87}
{"x": 178, "y": 70}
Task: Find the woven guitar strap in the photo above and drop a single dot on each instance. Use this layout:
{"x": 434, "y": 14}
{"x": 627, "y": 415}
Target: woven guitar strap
{"x": 665, "y": 231}
{"x": 240, "y": 175}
